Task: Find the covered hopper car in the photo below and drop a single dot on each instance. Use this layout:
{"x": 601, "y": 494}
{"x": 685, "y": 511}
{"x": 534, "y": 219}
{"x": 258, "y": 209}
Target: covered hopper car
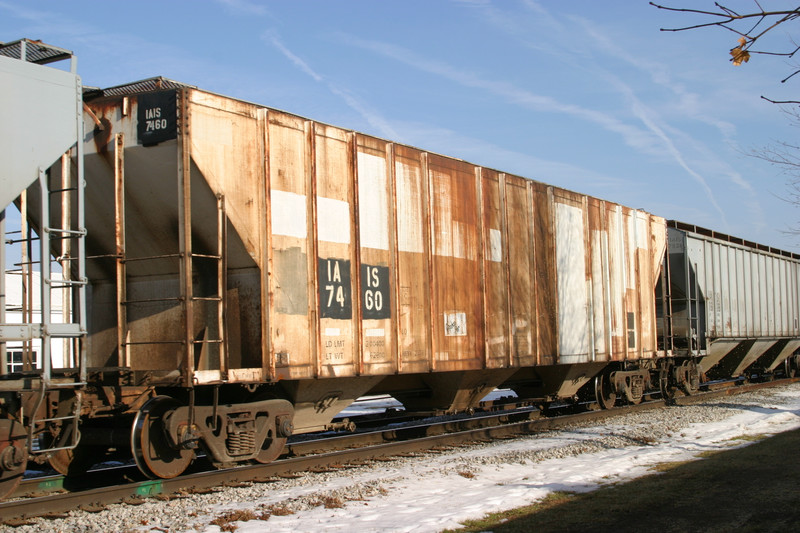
{"x": 217, "y": 275}
{"x": 731, "y": 304}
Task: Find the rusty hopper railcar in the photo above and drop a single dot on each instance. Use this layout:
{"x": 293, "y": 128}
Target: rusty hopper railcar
{"x": 733, "y": 305}
{"x": 249, "y": 273}
{"x": 253, "y": 272}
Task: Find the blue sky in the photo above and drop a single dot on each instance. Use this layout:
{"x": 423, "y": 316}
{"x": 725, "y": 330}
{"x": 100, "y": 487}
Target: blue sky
{"x": 582, "y": 94}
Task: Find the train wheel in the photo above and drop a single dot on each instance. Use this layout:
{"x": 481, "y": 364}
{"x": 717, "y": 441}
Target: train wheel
{"x": 271, "y": 450}
{"x": 13, "y": 455}
{"x": 606, "y": 397}
{"x": 154, "y": 454}
{"x": 790, "y": 366}
{"x": 68, "y": 462}
{"x": 275, "y": 440}
{"x": 691, "y": 383}
{"x": 74, "y": 462}
{"x": 666, "y": 382}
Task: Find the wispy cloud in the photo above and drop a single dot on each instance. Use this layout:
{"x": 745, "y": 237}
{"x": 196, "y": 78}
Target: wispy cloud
{"x": 687, "y": 101}
{"x": 661, "y": 137}
{"x": 661, "y": 130}
{"x": 633, "y": 136}
{"x": 245, "y": 7}
{"x": 372, "y": 117}
{"x": 491, "y": 155}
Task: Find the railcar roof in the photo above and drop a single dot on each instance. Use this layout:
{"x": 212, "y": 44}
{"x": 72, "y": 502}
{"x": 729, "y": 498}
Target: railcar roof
{"x": 35, "y": 51}
{"x": 692, "y": 228}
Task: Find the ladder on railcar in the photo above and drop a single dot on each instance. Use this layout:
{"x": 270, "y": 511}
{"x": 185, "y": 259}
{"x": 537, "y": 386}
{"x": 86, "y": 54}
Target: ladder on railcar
{"x": 68, "y": 238}
{"x": 668, "y": 333}
{"x": 690, "y": 301}
{"x": 52, "y": 93}
{"x": 185, "y": 256}
{"x": 69, "y": 234}
{"x": 693, "y": 308}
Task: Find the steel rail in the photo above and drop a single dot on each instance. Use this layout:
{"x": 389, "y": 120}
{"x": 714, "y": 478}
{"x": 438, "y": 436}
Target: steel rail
{"x": 325, "y": 453}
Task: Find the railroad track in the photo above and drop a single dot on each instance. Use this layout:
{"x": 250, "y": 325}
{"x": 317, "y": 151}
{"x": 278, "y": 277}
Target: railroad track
{"x": 51, "y": 496}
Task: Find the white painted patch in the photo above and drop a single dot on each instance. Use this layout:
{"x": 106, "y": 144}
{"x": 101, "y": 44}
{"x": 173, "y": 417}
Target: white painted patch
{"x": 573, "y": 316}
{"x": 373, "y": 202}
{"x": 495, "y": 245}
{"x": 375, "y": 332}
{"x": 409, "y": 211}
{"x": 333, "y": 332}
{"x": 288, "y": 214}
{"x": 451, "y": 241}
{"x": 333, "y": 220}
{"x": 455, "y": 324}
{"x": 207, "y": 376}
{"x": 599, "y": 289}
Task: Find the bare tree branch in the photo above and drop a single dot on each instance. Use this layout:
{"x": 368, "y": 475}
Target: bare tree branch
{"x": 750, "y": 27}
{"x": 726, "y": 18}
{"x": 786, "y": 157}
{"x": 759, "y": 23}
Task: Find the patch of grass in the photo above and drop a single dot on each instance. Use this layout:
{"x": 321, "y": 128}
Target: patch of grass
{"x": 706, "y": 454}
{"x": 491, "y": 521}
{"x": 750, "y": 438}
{"x": 751, "y": 489}
{"x": 466, "y": 473}
{"x": 666, "y": 467}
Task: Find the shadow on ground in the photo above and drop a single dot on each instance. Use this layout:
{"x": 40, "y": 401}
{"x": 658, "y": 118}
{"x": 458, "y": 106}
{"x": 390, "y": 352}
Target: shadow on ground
{"x": 752, "y": 488}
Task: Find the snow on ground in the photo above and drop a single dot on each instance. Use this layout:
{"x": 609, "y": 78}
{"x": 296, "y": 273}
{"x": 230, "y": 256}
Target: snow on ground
{"x": 438, "y": 491}
{"x": 445, "y": 490}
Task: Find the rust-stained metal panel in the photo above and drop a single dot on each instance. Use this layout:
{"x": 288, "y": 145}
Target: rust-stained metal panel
{"x": 545, "y": 275}
{"x": 522, "y": 323}
{"x": 600, "y": 295}
{"x": 292, "y": 325}
{"x": 413, "y": 267}
{"x": 495, "y": 248}
{"x": 338, "y": 279}
{"x": 457, "y": 310}
{"x": 376, "y": 238}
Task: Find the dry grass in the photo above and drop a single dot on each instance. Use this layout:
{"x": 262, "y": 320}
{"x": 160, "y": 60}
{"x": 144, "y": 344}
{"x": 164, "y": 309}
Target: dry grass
{"x": 227, "y": 522}
{"x": 495, "y": 520}
{"x": 666, "y": 467}
{"x": 332, "y": 502}
{"x": 280, "y": 510}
